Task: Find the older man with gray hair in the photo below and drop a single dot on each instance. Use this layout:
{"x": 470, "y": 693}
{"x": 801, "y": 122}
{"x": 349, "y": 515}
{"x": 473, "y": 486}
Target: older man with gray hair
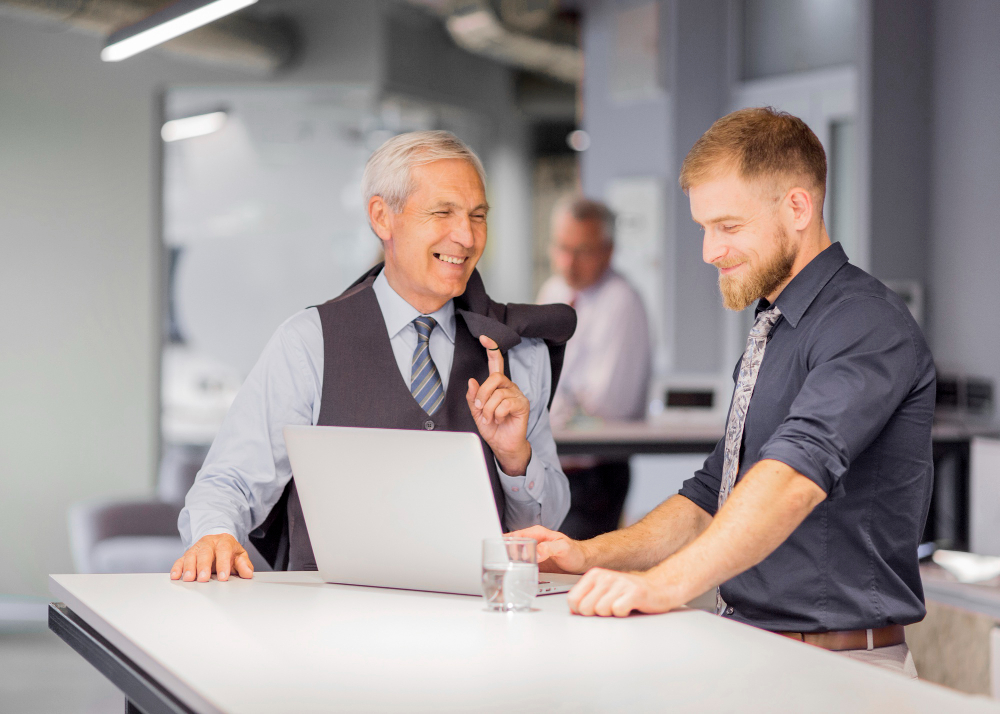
{"x": 608, "y": 360}
{"x": 422, "y": 329}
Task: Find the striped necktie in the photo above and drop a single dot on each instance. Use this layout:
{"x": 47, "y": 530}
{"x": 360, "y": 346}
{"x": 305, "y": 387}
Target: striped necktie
{"x": 425, "y": 382}
{"x": 753, "y": 357}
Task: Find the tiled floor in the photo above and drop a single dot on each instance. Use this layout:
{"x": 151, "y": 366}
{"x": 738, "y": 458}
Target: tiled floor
{"x": 40, "y": 674}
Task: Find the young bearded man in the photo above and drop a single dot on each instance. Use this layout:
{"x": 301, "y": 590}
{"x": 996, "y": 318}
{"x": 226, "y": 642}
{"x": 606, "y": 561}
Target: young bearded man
{"x": 808, "y": 513}
{"x": 415, "y": 343}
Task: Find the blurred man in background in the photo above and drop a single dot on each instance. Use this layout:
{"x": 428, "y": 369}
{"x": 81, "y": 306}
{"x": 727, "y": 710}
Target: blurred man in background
{"x": 606, "y": 372}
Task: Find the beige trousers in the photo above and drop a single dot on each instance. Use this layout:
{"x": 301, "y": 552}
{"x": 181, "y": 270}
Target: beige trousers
{"x": 897, "y": 658}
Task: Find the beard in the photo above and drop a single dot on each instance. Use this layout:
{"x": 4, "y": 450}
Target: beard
{"x": 738, "y": 291}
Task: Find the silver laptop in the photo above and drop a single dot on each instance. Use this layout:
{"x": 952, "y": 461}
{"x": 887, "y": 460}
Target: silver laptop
{"x": 398, "y": 509}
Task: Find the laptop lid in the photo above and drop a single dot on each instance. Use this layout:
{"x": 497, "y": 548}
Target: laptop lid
{"x": 394, "y": 508}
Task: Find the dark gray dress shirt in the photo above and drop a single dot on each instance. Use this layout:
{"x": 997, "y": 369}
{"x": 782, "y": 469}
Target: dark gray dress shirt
{"x": 845, "y": 396}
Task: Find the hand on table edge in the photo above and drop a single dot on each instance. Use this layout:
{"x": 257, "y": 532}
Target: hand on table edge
{"x": 501, "y": 413}
{"x": 221, "y": 554}
{"x": 609, "y": 593}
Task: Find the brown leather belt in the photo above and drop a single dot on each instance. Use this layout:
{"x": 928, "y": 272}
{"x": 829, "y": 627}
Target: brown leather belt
{"x": 852, "y": 639}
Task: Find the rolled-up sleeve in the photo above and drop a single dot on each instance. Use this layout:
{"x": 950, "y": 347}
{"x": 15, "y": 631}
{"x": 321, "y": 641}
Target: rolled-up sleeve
{"x": 541, "y": 496}
{"x": 861, "y": 367}
{"x": 703, "y": 488}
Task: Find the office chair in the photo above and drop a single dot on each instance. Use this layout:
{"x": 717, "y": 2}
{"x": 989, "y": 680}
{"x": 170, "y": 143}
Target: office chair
{"x": 139, "y": 536}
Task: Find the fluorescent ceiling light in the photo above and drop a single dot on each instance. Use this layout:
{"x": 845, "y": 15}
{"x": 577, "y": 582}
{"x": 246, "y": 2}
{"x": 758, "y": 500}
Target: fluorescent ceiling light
{"x": 189, "y": 127}
{"x": 173, "y": 21}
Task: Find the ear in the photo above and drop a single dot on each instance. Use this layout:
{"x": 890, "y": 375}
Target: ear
{"x": 380, "y": 217}
{"x": 800, "y": 206}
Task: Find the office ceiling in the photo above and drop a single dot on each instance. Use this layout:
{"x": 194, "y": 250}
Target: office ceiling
{"x": 243, "y": 40}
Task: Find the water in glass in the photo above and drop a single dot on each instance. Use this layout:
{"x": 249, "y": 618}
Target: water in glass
{"x": 510, "y": 586}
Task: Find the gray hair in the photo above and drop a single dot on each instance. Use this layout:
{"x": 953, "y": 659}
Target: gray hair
{"x": 387, "y": 173}
{"x": 585, "y": 209}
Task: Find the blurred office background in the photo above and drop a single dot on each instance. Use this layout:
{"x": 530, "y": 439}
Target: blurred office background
{"x": 142, "y": 272}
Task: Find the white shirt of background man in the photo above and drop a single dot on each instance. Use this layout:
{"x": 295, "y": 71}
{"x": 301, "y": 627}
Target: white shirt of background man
{"x": 608, "y": 361}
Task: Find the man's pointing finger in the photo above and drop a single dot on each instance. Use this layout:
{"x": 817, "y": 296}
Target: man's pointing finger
{"x": 493, "y": 354}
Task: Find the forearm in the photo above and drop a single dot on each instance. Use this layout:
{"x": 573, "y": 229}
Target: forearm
{"x": 765, "y": 508}
{"x": 540, "y": 497}
{"x": 247, "y": 468}
{"x": 665, "y": 530}
{"x": 514, "y": 462}
{"x": 214, "y": 505}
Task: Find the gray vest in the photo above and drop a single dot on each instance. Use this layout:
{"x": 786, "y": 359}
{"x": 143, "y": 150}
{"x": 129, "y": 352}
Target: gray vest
{"x": 362, "y": 386}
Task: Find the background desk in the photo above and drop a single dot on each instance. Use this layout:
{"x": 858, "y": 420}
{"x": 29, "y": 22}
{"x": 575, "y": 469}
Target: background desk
{"x": 286, "y": 642}
{"x": 958, "y": 643}
{"x": 947, "y": 522}
{"x": 620, "y": 440}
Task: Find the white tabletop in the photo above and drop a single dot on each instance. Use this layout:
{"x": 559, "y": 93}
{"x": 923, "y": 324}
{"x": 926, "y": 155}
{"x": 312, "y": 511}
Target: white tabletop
{"x": 289, "y": 642}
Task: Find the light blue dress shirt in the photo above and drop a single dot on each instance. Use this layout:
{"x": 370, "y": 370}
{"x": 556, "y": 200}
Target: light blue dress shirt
{"x": 247, "y": 467}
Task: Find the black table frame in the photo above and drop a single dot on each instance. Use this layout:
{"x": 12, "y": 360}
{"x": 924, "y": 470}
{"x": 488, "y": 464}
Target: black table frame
{"x": 623, "y": 449}
{"x": 948, "y": 520}
{"x": 143, "y": 694}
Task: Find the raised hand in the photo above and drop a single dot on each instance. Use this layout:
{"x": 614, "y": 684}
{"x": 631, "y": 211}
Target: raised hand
{"x": 501, "y": 413}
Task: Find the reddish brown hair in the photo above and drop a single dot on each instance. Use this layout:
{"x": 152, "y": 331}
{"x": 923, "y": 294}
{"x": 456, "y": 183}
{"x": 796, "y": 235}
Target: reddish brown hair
{"x": 759, "y": 143}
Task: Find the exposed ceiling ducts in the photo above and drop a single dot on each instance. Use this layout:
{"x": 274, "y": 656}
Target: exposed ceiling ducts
{"x": 525, "y": 34}
{"x": 258, "y": 45}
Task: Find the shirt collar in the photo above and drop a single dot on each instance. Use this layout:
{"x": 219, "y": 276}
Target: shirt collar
{"x": 398, "y": 313}
{"x": 799, "y": 294}
{"x": 588, "y": 292}
{"x": 598, "y": 284}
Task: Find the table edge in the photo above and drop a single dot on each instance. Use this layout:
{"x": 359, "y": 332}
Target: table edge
{"x": 138, "y": 686}
{"x": 192, "y": 702}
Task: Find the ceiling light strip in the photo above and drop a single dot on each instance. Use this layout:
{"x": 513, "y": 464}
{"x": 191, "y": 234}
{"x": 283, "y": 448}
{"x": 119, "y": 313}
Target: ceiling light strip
{"x": 171, "y": 22}
{"x": 190, "y": 127}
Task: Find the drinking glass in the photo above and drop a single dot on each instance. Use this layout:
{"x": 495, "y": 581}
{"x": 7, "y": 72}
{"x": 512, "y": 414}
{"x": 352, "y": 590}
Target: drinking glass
{"x": 510, "y": 573}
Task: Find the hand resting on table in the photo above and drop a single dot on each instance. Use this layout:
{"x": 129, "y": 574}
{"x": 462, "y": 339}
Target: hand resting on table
{"x": 221, "y": 554}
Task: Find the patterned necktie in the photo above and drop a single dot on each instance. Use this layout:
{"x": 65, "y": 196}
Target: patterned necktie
{"x": 425, "y": 382}
{"x": 753, "y": 356}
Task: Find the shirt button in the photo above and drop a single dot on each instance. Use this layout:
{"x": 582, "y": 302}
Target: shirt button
{"x": 531, "y": 485}
{"x": 429, "y": 425}
{"x": 515, "y": 489}
{"x": 730, "y": 611}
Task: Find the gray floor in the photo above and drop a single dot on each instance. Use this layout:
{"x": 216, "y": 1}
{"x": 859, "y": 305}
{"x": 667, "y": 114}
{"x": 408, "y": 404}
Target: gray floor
{"x": 39, "y": 673}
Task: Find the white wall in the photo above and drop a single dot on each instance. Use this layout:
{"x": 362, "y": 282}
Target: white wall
{"x": 80, "y": 268}
{"x": 965, "y": 248}
{"x": 79, "y": 285}
{"x": 900, "y": 174}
